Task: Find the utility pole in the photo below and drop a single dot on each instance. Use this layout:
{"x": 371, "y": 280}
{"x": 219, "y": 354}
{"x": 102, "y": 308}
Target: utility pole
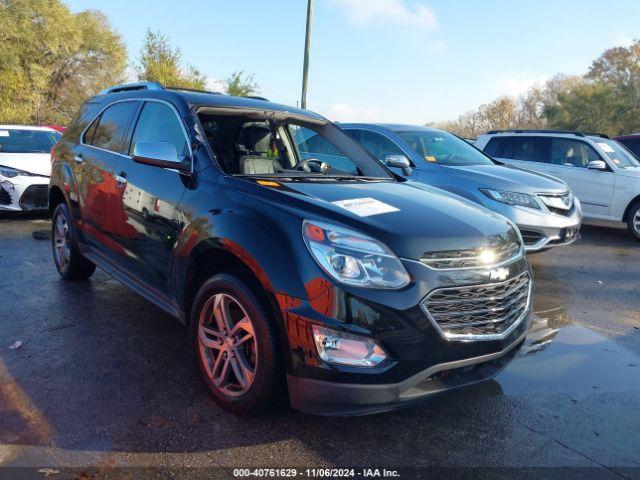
{"x": 307, "y": 41}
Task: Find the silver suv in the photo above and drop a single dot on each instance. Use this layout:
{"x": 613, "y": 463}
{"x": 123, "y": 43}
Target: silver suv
{"x": 602, "y": 173}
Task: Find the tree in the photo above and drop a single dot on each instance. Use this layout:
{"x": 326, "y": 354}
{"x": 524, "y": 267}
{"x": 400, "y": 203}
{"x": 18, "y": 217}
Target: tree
{"x": 619, "y": 69}
{"x": 160, "y": 62}
{"x": 587, "y": 107}
{"x": 52, "y": 60}
{"x": 240, "y": 85}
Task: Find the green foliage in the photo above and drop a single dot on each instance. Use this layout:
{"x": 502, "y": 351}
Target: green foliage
{"x": 52, "y": 60}
{"x": 160, "y": 62}
{"x": 240, "y": 85}
{"x": 589, "y": 107}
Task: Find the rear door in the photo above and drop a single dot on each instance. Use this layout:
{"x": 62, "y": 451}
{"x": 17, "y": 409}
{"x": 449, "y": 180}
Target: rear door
{"x": 594, "y": 188}
{"x": 96, "y": 157}
{"x": 147, "y": 199}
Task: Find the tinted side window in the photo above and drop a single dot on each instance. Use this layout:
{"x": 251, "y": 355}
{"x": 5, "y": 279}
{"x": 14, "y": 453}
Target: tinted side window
{"x": 530, "y": 149}
{"x": 632, "y": 144}
{"x": 378, "y": 145}
{"x": 159, "y": 123}
{"x": 495, "y": 146}
{"x": 90, "y": 133}
{"x": 113, "y": 126}
{"x": 573, "y": 153}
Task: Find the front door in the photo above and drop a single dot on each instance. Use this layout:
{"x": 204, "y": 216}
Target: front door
{"x": 594, "y": 188}
{"x": 149, "y": 199}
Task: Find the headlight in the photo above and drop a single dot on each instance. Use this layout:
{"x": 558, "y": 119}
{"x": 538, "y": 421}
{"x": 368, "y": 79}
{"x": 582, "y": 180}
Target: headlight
{"x": 347, "y": 349}
{"x": 511, "y": 198}
{"x": 353, "y": 258}
{"x": 10, "y": 172}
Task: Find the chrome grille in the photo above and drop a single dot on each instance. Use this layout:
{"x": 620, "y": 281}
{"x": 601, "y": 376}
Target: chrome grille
{"x": 470, "y": 258}
{"x": 479, "y": 312}
{"x": 558, "y": 204}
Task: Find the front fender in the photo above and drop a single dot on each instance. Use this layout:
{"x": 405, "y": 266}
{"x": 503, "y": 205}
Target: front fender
{"x": 268, "y": 248}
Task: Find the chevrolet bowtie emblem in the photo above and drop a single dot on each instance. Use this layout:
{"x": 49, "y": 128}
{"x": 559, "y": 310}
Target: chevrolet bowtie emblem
{"x": 499, "y": 274}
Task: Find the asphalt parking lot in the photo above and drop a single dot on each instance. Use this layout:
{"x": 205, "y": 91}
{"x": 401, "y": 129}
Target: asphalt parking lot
{"x": 104, "y": 379}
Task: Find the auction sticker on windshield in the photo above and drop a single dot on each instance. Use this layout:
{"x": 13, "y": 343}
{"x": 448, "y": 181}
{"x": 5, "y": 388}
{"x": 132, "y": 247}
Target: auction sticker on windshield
{"x": 365, "y": 207}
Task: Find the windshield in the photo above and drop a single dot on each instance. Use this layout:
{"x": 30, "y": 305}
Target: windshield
{"x": 27, "y": 141}
{"x": 443, "y": 148}
{"x": 274, "y": 145}
{"x": 618, "y": 153}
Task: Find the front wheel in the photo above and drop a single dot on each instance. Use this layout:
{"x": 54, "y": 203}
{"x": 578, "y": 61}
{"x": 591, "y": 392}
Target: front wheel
{"x": 236, "y": 346}
{"x": 70, "y": 263}
{"x": 633, "y": 221}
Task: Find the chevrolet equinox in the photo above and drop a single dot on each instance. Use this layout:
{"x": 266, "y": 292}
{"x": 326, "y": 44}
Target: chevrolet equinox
{"x": 335, "y": 281}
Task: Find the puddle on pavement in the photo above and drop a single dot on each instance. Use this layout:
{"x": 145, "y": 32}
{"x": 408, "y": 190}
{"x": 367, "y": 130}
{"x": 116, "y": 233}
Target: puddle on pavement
{"x": 559, "y": 356}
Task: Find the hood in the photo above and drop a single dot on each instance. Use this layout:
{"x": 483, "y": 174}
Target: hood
{"x": 416, "y": 219}
{"x": 36, "y": 163}
{"x": 505, "y": 177}
{"x": 633, "y": 172}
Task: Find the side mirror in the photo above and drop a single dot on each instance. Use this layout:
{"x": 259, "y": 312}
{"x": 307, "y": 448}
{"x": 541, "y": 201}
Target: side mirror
{"x": 597, "y": 165}
{"x": 397, "y": 161}
{"x": 159, "y": 154}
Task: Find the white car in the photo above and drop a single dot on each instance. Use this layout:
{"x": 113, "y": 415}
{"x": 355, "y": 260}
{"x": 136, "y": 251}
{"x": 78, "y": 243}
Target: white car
{"x": 603, "y": 174}
{"x": 25, "y": 166}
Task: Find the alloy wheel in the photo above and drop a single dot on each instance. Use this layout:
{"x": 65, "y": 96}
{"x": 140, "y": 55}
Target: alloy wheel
{"x": 62, "y": 241}
{"x": 636, "y": 222}
{"x": 227, "y": 345}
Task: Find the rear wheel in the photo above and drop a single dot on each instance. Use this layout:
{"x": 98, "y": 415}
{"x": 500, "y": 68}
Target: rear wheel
{"x": 70, "y": 263}
{"x": 633, "y": 221}
{"x": 236, "y": 346}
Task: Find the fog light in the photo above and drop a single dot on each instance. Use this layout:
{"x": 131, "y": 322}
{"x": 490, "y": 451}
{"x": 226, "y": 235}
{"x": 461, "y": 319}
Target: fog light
{"x": 347, "y": 349}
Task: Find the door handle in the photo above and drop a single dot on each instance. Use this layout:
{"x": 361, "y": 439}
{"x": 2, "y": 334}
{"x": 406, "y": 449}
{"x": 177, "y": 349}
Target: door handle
{"x": 121, "y": 178}
{"x": 78, "y": 159}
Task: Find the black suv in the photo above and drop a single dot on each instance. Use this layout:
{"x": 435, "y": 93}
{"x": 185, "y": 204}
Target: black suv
{"x": 351, "y": 288}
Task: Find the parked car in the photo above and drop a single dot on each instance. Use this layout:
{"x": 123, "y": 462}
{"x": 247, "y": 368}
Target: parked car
{"x": 542, "y": 207}
{"x": 25, "y": 165}
{"x": 632, "y": 142}
{"x": 603, "y": 174}
{"x": 355, "y": 290}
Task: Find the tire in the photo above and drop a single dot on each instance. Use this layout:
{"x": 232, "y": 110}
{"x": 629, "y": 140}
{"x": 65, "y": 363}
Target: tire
{"x": 253, "y": 381}
{"x": 70, "y": 263}
{"x": 633, "y": 220}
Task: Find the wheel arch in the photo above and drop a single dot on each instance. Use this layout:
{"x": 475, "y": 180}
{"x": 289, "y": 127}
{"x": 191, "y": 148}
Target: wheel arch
{"x": 56, "y": 197}
{"x": 209, "y": 259}
{"x": 631, "y": 204}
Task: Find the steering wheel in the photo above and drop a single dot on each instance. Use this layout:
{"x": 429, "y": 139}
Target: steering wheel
{"x": 312, "y": 165}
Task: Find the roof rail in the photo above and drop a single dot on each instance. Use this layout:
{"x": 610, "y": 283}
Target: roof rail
{"x": 256, "y": 97}
{"x": 566, "y": 132}
{"x": 126, "y": 87}
{"x": 197, "y": 90}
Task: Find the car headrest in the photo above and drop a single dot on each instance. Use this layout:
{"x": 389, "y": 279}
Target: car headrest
{"x": 256, "y": 139}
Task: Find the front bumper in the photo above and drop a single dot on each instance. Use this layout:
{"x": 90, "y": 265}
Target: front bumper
{"x": 542, "y": 229}
{"x": 422, "y": 361}
{"x": 319, "y": 397}
{"x": 24, "y": 193}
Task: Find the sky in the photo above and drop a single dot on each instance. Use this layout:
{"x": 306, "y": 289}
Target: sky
{"x": 403, "y": 61}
